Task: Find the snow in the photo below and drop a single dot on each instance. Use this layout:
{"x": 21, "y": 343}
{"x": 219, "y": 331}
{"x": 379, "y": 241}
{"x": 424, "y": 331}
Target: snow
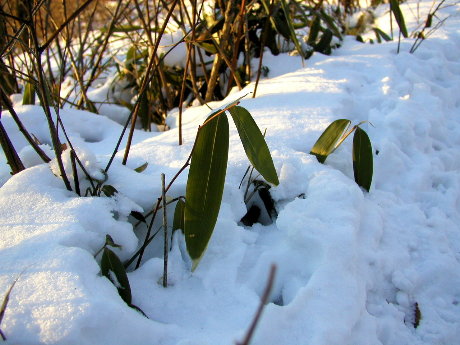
{"x": 351, "y": 265}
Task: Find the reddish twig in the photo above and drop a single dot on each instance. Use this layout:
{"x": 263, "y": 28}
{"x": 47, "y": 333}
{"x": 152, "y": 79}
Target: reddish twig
{"x": 263, "y": 302}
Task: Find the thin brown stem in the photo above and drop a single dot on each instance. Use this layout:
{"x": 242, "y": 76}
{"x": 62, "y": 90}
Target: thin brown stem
{"x": 263, "y": 302}
{"x": 129, "y": 120}
{"x": 181, "y": 98}
{"x": 262, "y": 47}
{"x": 102, "y": 51}
{"x": 165, "y": 229}
{"x": 240, "y": 20}
{"x": 146, "y": 81}
{"x": 44, "y": 97}
{"x": 7, "y": 102}
{"x": 10, "y": 152}
{"x": 73, "y": 156}
{"x": 64, "y": 25}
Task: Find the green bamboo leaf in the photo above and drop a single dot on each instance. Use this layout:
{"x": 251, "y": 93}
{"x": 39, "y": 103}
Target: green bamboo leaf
{"x": 362, "y": 159}
{"x": 141, "y": 168}
{"x": 29, "y": 94}
{"x": 130, "y": 58}
{"x": 91, "y": 107}
{"x": 291, "y": 28}
{"x": 328, "y": 140}
{"x": 394, "y": 7}
{"x": 110, "y": 242}
{"x": 329, "y": 21}
{"x": 281, "y": 25}
{"x": 314, "y": 31}
{"x": 208, "y": 47}
{"x": 178, "y": 222}
{"x": 126, "y": 28}
{"x": 144, "y": 112}
{"x": 138, "y": 216}
{"x": 324, "y": 44}
{"x": 109, "y": 190}
{"x": 381, "y": 34}
{"x": 254, "y": 144}
{"x": 205, "y": 185}
{"x": 113, "y": 269}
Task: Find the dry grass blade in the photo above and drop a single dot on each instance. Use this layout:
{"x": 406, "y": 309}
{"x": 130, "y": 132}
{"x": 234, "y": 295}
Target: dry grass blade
{"x": 5, "y": 304}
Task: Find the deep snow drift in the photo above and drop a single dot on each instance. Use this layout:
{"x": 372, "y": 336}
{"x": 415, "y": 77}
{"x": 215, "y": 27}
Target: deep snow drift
{"x": 351, "y": 265}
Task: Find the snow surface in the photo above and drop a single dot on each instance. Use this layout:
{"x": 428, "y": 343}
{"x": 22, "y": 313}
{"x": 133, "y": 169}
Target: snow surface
{"x": 351, "y": 265}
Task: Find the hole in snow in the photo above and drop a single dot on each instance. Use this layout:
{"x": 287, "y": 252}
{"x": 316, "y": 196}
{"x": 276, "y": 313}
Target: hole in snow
{"x": 260, "y": 205}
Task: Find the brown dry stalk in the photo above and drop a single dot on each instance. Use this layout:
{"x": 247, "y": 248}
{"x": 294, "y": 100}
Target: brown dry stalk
{"x": 263, "y": 302}
{"x": 224, "y": 41}
{"x": 146, "y": 81}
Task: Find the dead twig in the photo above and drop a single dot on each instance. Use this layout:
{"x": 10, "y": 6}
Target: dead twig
{"x": 263, "y": 302}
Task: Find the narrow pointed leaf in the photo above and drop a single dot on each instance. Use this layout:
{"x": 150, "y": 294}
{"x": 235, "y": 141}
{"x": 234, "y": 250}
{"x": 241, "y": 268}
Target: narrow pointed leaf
{"x": 131, "y": 58}
{"x": 110, "y": 242}
{"x": 178, "y": 222}
{"x": 113, "y": 269}
{"x": 329, "y": 21}
{"x": 381, "y": 34}
{"x": 314, "y": 31}
{"x": 109, "y": 190}
{"x": 205, "y": 185}
{"x": 144, "y": 112}
{"x": 141, "y": 168}
{"x": 394, "y": 6}
{"x": 254, "y": 144}
{"x": 91, "y": 107}
{"x": 328, "y": 140}
{"x": 362, "y": 159}
{"x": 291, "y": 28}
{"x": 139, "y": 216}
{"x": 29, "y": 94}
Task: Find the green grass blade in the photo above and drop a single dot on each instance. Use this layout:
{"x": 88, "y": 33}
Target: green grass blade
{"x": 394, "y": 6}
{"x": 113, "y": 269}
{"x": 178, "y": 221}
{"x": 328, "y": 140}
{"x": 362, "y": 159}
{"x": 205, "y": 185}
{"x": 29, "y": 94}
{"x": 254, "y": 144}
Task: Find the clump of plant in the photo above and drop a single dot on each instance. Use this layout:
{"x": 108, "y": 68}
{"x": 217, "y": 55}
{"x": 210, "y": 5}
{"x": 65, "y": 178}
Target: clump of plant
{"x": 112, "y": 268}
{"x": 197, "y": 215}
{"x": 430, "y": 25}
{"x": 362, "y": 155}
{"x": 207, "y": 174}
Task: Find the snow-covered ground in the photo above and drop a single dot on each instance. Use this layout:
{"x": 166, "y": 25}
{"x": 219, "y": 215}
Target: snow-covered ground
{"x": 351, "y": 266}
